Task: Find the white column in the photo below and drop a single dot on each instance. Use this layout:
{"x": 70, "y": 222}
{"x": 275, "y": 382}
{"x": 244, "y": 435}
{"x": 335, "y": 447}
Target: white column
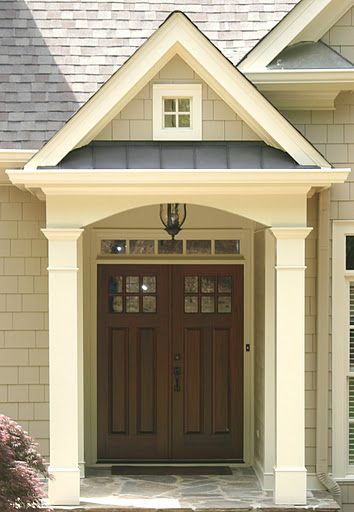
{"x": 64, "y": 354}
{"x": 290, "y": 471}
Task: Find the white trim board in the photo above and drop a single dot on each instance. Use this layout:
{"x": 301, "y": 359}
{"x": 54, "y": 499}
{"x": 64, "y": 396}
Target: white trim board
{"x": 340, "y": 343}
{"x": 178, "y": 35}
{"x": 309, "y": 20}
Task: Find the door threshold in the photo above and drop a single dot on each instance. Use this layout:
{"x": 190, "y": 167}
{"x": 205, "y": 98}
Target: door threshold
{"x": 109, "y": 463}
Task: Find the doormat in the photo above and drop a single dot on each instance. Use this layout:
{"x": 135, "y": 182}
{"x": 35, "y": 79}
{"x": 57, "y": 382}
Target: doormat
{"x": 171, "y": 470}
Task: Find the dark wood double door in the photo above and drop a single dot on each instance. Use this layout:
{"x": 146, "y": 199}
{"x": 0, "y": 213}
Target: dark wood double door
{"x": 170, "y": 362}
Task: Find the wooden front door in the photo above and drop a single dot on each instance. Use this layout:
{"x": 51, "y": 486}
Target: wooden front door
{"x": 170, "y": 362}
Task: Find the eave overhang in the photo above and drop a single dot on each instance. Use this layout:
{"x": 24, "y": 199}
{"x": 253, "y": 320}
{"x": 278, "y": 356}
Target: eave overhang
{"x": 172, "y": 182}
{"x": 303, "y": 89}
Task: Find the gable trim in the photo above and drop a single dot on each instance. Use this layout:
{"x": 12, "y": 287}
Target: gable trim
{"x": 177, "y": 35}
{"x": 309, "y": 20}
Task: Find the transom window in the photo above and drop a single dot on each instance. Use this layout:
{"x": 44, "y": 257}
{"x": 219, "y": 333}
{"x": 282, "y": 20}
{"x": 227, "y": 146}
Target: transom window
{"x": 167, "y": 247}
{"x": 177, "y": 112}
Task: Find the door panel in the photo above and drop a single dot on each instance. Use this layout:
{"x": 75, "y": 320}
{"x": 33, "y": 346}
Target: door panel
{"x": 170, "y": 360}
{"x": 207, "y": 319}
{"x": 133, "y": 359}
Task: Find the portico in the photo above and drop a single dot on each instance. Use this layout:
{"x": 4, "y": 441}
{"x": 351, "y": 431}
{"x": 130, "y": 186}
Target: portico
{"x": 275, "y": 199}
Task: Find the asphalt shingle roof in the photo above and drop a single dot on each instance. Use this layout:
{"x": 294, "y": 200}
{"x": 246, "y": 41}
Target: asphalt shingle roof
{"x": 55, "y": 54}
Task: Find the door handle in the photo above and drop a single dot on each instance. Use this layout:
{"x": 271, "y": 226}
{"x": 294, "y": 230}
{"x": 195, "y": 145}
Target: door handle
{"x": 177, "y": 372}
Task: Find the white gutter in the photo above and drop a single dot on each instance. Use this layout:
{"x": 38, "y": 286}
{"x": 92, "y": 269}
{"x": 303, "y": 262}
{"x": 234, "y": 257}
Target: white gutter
{"x": 304, "y": 76}
{"x": 15, "y": 157}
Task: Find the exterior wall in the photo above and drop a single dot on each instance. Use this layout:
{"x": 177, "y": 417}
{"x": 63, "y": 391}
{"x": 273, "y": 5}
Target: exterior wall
{"x": 341, "y": 36}
{"x": 134, "y": 122}
{"x": 23, "y": 313}
{"x": 332, "y": 132}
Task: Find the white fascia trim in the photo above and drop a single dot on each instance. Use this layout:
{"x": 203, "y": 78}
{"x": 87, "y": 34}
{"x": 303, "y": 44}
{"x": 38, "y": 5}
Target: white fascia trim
{"x": 178, "y": 36}
{"x": 101, "y": 178}
{"x": 15, "y": 157}
{"x": 296, "y": 76}
{"x": 309, "y": 20}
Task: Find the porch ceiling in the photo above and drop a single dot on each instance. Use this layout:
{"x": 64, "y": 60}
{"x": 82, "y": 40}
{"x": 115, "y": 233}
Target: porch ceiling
{"x": 179, "y": 155}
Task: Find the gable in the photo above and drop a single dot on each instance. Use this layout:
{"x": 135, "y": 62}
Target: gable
{"x": 340, "y": 37}
{"x": 134, "y": 122}
{"x": 178, "y": 36}
{"x": 309, "y": 20}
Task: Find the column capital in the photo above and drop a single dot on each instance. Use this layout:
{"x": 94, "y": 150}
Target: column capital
{"x": 62, "y": 233}
{"x": 290, "y": 233}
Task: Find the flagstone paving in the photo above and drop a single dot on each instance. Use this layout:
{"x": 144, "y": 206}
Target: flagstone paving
{"x": 237, "y": 492}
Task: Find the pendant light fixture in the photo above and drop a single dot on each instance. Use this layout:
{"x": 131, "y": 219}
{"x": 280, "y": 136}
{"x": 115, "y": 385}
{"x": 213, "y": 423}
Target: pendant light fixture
{"x": 173, "y": 216}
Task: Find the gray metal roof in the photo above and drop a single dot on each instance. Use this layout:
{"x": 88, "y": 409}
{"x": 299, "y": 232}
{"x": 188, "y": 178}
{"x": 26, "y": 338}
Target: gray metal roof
{"x": 178, "y": 155}
{"x": 54, "y": 54}
{"x": 310, "y": 55}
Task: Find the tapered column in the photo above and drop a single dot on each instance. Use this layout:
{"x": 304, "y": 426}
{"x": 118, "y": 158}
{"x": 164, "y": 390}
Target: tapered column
{"x": 289, "y": 471}
{"x": 64, "y": 359}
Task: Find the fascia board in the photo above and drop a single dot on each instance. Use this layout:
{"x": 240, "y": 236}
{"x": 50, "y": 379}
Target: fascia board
{"x": 208, "y": 62}
{"x": 139, "y": 179}
{"x": 296, "y": 76}
{"x": 15, "y": 157}
{"x": 302, "y": 23}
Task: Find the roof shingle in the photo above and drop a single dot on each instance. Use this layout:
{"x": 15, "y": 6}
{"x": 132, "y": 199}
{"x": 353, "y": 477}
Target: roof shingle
{"x": 55, "y": 54}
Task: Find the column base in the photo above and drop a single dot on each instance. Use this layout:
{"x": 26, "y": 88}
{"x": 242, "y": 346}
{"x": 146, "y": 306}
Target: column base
{"x": 290, "y": 486}
{"x": 64, "y": 488}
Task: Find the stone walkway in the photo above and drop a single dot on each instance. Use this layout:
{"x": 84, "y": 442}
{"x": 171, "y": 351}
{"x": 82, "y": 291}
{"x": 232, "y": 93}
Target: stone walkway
{"x": 237, "y": 492}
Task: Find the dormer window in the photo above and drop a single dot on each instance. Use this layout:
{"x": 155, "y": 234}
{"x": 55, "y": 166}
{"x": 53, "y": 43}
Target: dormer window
{"x": 177, "y": 111}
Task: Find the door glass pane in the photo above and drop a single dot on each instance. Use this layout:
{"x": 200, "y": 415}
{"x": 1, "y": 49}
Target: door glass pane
{"x": 132, "y": 304}
{"x": 149, "y": 304}
{"x": 227, "y": 246}
{"x": 141, "y": 247}
{"x": 224, "y": 304}
{"x": 117, "y": 304}
{"x": 191, "y": 284}
{"x": 170, "y": 246}
{"x": 208, "y": 284}
{"x": 190, "y": 304}
{"x": 115, "y": 284}
{"x": 208, "y": 304}
{"x": 198, "y": 247}
{"x": 113, "y": 246}
{"x": 224, "y": 284}
{"x": 149, "y": 284}
{"x": 132, "y": 284}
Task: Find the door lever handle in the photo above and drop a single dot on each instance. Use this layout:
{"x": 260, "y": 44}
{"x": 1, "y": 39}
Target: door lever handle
{"x": 177, "y": 372}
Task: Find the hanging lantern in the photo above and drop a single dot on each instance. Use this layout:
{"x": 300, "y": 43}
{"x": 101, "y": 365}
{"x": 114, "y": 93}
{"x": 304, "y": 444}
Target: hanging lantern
{"x": 173, "y": 216}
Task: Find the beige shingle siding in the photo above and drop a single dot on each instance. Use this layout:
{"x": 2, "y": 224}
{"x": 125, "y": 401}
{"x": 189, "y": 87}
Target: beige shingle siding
{"x": 341, "y": 36}
{"x": 56, "y": 54}
{"x": 23, "y": 313}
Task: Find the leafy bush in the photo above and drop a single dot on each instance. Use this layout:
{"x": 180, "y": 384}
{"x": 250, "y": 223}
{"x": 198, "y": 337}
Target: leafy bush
{"x": 21, "y": 467}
